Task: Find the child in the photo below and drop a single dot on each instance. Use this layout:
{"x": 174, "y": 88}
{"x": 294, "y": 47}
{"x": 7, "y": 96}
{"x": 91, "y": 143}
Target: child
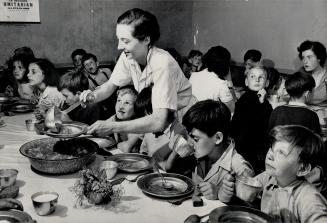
{"x": 194, "y": 63}
{"x": 97, "y": 76}
{"x": 42, "y": 76}
{"x": 77, "y": 56}
{"x": 126, "y": 97}
{"x": 252, "y": 59}
{"x": 211, "y": 82}
{"x": 207, "y": 123}
{"x": 168, "y": 147}
{"x": 250, "y": 119}
{"x": 298, "y": 86}
{"x": 287, "y": 196}
{"x": 71, "y": 85}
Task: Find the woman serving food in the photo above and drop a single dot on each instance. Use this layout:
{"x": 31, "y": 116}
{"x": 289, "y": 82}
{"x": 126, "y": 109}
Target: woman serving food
{"x": 142, "y": 64}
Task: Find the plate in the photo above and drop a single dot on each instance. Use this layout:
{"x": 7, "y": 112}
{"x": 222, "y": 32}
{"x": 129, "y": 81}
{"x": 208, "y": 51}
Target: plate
{"x": 132, "y": 162}
{"x": 21, "y": 108}
{"x": 151, "y": 184}
{"x": 70, "y": 131}
{"x": 238, "y": 214}
{"x": 15, "y": 216}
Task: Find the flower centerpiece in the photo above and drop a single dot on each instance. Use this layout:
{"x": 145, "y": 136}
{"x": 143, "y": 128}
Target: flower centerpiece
{"x": 94, "y": 187}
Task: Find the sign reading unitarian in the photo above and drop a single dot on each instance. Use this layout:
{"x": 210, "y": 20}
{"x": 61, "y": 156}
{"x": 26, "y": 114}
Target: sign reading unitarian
{"x": 19, "y": 11}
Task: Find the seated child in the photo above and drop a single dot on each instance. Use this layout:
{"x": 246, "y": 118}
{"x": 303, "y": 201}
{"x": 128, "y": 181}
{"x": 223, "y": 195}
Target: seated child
{"x": 251, "y": 59}
{"x": 207, "y": 123}
{"x": 71, "y": 85}
{"x": 77, "y": 56}
{"x": 193, "y": 64}
{"x": 296, "y": 112}
{"x": 250, "y": 119}
{"x": 168, "y": 147}
{"x": 126, "y": 97}
{"x": 287, "y": 196}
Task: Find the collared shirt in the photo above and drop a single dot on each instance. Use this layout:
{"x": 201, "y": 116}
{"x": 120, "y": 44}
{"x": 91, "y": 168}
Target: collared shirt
{"x": 298, "y": 202}
{"x": 170, "y": 90}
{"x": 229, "y": 160}
{"x": 318, "y": 96}
{"x": 207, "y": 85}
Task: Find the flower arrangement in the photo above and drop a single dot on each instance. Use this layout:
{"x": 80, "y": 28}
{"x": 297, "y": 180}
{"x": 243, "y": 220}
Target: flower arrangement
{"x": 94, "y": 187}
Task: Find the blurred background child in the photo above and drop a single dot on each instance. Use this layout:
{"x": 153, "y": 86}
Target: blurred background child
{"x": 193, "y": 63}
{"x": 77, "y": 56}
{"x": 252, "y": 58}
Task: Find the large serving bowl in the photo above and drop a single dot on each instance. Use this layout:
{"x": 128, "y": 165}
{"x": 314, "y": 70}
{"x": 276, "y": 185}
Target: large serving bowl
{"x": 53, "y": 156}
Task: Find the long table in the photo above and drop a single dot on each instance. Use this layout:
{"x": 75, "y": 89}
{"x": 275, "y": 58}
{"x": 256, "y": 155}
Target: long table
{"x": 133, "y": 205}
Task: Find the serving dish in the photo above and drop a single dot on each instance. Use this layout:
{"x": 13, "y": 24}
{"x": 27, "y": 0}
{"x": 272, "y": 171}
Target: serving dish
{"x": 15, "y": 216}
{"x": 54, "y": 156}
{"x": 67, "y": 131}
{"x": 238, "y": 214}
{"x": 132, "y": 162}
{"x": 152, "y": 184}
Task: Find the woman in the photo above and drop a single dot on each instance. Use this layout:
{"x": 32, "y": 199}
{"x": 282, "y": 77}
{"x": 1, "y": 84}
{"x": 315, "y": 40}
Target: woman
{"x": 143, "y": 64}
{"x": 313, "y": 56}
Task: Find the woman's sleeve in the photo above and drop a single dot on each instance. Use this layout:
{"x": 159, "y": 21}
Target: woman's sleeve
{"x": 121, "y": 75}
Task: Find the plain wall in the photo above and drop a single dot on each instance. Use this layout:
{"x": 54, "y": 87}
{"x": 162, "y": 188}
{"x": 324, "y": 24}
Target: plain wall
{"x": 275, "y": 27}
{"x": 90, "y": 24}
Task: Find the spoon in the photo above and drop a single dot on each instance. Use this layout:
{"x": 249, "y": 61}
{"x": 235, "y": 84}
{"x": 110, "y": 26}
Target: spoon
{"x": 194, "y": 218}
{"x": 165, "y": 184}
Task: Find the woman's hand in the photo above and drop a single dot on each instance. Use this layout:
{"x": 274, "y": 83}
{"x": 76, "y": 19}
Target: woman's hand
{"x": 227, "y": 190}
{"x": 101, "y": 128}
{"x": 209, "y": 190}
{"x": 10, "y": 203}
{"x": 87, "y": 96}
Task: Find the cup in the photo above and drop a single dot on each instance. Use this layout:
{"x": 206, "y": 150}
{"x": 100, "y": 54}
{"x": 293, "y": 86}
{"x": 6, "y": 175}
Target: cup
{"x": 110, "y": 168}
{"x": 247, "y": 188}
{"x": 30, "y": 124}
{"x": 45, "y": 202}
{"x": 7, "y": 177}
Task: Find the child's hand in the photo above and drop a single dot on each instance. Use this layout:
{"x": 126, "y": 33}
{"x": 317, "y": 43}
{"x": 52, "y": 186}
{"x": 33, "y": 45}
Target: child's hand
{"x": 227, "y": 189}
{"x": 262, "y": 95}
{"x": 209, "y": 190}
{"x": 64, "y": 117}
{"x": 124, "y": 147}
{"x": 10, "y": 203}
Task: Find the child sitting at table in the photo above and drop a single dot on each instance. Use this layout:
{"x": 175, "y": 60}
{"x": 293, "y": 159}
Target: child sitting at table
{"x": 250, "y": 119}
{"x": 169, "y": 148}
{"x": 296, "y": 112}
{"x": 71, "y": 85}
{"x": 125, "y": 110}
{"x": 207, "y": 123}
{"x": 252, "y": 58}
{"x": 287, "y": 196}
{"x": 193, "y": 63}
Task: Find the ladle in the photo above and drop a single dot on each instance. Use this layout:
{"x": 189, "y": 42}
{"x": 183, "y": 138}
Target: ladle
{"x": 194, "y": 218}
{"x": 165, "y": 184}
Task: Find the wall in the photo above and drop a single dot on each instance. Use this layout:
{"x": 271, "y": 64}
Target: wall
{"x": 275, "y": 27}
{"x": 90, "y": 24}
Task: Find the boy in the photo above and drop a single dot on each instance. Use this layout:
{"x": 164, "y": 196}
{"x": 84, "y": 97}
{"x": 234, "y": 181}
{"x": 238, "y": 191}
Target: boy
{"x": 71, "y": 85}
{"x": 207, "y": 123}
{"x": 97, "y": 76}
{"x": 77, "y": 56}
{"x": 252, "y": 58}
{"x": 250, "y": 119}
{"x": 126, "y": 97}
{"x": 194, "y": 63}
{"x": 287, "y": 196}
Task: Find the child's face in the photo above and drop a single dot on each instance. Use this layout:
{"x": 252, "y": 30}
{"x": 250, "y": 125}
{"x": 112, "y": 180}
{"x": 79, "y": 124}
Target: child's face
{"x": 70, "y": 97}
{"x": 256, "y": 79}
{"x": 201, "y": 143}
{"x": 18, "y": 70}
{"x": 125, "y": 106}
{"x": 196, "y": 60}
{"x": 77, "y": 61}
{"x": 132, "y": 47}
{"x": 91, "y": 66}
{"x": 282, "y": 162}
{"x": 310, "y": 60}
{"x": 35, "y": 74}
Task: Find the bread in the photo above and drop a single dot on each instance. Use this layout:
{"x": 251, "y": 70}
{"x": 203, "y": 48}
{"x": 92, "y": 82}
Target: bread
{"x": 9, "y": 192}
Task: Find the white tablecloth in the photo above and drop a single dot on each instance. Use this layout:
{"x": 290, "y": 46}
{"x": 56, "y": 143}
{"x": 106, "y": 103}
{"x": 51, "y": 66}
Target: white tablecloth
{"x": 133, "y": 206}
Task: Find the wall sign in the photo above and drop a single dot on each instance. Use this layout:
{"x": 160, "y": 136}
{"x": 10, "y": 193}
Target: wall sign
{"x": 19, "y": 11}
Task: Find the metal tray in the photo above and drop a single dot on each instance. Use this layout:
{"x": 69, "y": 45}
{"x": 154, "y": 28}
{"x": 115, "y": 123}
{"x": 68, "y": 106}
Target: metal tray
{"x": 132, "y": 162}
{"x": 239, "y": 214}
{"x": 151, "y": 184}
{"x": 77, "y": 131}
{"x": 15, "y": 216}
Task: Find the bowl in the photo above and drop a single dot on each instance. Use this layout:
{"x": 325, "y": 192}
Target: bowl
{"x": 247, "y": 188}
{"x": 110, "y": 168}
{"x": 45, "y": 202}
{"x": 8, "y": 177}
{"x": 44, "y": 159}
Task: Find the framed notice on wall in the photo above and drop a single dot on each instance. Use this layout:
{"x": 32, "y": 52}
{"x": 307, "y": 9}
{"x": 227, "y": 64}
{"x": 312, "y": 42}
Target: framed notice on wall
{"x": 19, "y": 11}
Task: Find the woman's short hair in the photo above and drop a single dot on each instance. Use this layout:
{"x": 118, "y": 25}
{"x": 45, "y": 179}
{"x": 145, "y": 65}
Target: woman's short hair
{"x": 254, "y": 55}
{"x": 298, "y": 83}
{"x": 317, "y": 48}
{"x": 51, "y": 77}
{"x": 144, "y": 23}
{"x": 74, "y": 81}
{"x": 217, "y": 60}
